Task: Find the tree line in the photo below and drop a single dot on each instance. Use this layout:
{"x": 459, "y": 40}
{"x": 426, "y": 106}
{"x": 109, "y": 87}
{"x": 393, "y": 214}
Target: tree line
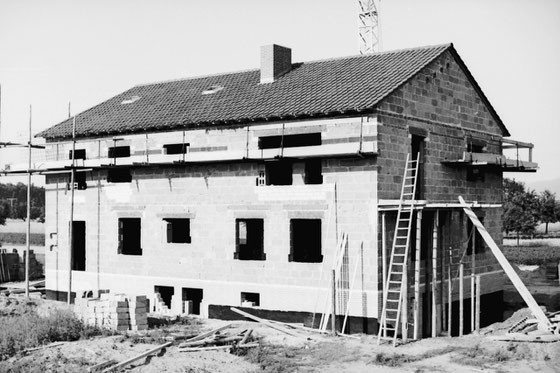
{"x": 13, "y": 202}
{"x": 524, "y": 209}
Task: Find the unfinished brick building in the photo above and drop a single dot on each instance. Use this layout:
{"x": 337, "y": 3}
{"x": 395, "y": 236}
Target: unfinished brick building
{"x": 235, "y": 189}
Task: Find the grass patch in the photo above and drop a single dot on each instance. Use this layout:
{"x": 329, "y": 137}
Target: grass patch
{"x": 532, "y": 255}
{"x": 36, "y": 239}
{"x": 273, "y": 358}
{"x": 29, "y": 330}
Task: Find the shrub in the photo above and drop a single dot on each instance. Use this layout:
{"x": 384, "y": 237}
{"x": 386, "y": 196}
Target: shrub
{"x": 531, "y": 255}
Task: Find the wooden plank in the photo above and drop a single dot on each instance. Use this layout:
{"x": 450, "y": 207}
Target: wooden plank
{"x": 477, "y": 311}
{"x": 416, "y": 332}
{"x": 473, "y": 268}
{"x": 461, "y": 300}
{"x": 434, "y": 274}
{"x": 508, "y": 269}
{"x": 246, "y": 336}
{"x": 384, "y": 253}
{"x": 265, "y": 322}
{"x": 404, "y": 310}
{"x": 196, "y": 349}
{"x": 100, "y": 366}
{"x": 209, "y": 333}
{"x": 137, "y": 357}
{"x": 449, "y": 292}
{"x": 333, "y": 313}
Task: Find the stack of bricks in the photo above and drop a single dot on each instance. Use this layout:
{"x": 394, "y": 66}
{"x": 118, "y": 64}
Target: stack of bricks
{"x": 114, "y": 311}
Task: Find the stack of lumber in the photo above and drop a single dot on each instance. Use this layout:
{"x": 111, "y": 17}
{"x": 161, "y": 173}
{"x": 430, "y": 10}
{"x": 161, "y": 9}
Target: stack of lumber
{"x": 215, "y": 340}
{"x": 113, "y": 311}
{"x": 527, "y": 330}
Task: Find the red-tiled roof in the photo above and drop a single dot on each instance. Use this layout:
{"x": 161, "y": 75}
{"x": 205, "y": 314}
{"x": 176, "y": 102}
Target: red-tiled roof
{"x": 310, "y": 89}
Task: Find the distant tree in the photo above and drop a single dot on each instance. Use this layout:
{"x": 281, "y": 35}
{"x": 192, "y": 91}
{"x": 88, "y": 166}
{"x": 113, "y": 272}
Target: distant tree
{"x": 521, "y": 209}
{"x": 548, "y": 209}
{"x": 4, "y": 212}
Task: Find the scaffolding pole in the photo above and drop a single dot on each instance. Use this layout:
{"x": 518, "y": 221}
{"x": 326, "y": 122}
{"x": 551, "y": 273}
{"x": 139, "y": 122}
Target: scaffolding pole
{"x": 28, "y": 229}
{"x": 71, "y": 225}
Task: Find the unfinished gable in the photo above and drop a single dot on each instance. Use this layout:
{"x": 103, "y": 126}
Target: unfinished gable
{"x": 443, "y": 93}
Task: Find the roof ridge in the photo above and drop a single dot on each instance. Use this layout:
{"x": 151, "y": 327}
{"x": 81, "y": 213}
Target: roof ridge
{"x": 434, "y": 46}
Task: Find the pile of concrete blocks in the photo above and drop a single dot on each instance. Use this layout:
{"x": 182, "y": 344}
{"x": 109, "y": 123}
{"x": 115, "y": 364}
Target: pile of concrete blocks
{"x": 119, "y": 312}
{"x": 160, "y": 306}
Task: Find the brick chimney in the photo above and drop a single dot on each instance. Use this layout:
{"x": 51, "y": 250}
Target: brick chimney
{"x": 275, "y": 62}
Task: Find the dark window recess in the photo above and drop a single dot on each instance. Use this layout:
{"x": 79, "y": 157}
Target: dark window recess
{"x": 254, "y": 298}
{"x": 176, "y": 148}
{"x": 166, "y": 294}
{"x": 78, "y": 154}
{"x": 178, "y": 230}
{"x": 130, "y": 236}
{"x": 119, "y": 151}
{"x": 119, "y": 175}
{"x": 476, "y": 147}
{"x": 249, "y": 239}
{"x": 290, "y": 141}
{"x": 278, "y": 172}
{"x": 305, "y": 241}
{"x": 79, "y": 181}
{"x": 192, "y": 297}
{"x": 313, "y": 171}
{"x": 479, "y": 244}
{"x": 475, "y": 174}
{"x": 78, "y": 245}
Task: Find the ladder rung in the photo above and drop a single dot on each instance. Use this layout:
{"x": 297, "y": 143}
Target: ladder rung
{"x": 399, "y": 255}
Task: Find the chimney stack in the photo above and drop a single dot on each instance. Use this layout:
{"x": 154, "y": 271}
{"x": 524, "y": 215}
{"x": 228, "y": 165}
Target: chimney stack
{"x": 275, "y": 62}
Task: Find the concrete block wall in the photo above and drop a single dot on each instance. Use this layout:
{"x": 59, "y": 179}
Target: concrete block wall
{"x": 442, "y": 103}
{"x": 212, "y": 196}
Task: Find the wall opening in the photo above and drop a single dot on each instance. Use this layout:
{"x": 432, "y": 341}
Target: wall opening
{"x": 249, "y": 239}
{"x": 178, "y": 230}
{"x": 119, "y": 175}
{"x": 278, "y": 172}
{"x": 78, "y": 154}
{"x": 166, "y": 293}
{"x": 192, "y": 298}
{"x": 290, "y": 141}
{"x": 119, "y": 151}
{"x": 182, "y": 148}
{"x": 418, "y": 146}
{"x": 313, "y": 171}
{"x": 79, "y": 181}
{"x": 78, "y": 245}
{"x": 479, "y": 243}
{"x": 475, "y": 174}
{"x": 250, "y": 299}
{"x": 305, "y": 241}
{"x": 130, "y": 236}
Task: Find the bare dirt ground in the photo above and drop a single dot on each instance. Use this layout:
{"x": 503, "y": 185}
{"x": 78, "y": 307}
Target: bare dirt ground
{"x": 278, "y": 352}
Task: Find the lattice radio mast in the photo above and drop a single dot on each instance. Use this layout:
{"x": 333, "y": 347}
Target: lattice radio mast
{"x": 369, "y": 26}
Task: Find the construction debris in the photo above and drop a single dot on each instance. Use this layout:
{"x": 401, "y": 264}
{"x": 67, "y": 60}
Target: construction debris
{"x": 137, "y": 357}
{"x": 266, "y": 322}
{"x": 114, "y": 311}
{"x": 213, "y": 340}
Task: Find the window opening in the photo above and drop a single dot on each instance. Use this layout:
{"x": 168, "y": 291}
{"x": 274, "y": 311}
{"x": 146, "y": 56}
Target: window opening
{"x": 176, "y": 148}
{"x": 290, "y": 141}
{"x": 418, "y": 146}
{"x": 192, "y": 298}
{"x": 130, "y": 237}
{"x": 78, "y": 154}
{"x": 119, "y": 175}
{"x": 278, "y": 172}
{"x": 79, "y": 181}
{"x": 475, "y": 145}
{"x": 475, "y": 174}
{"x": 250, "y": 299}
{"x": 313, "y": 171}
{"x": 178, "y": 230}
{"x": 249, "y": 240}
{"x": 78, "y": 245}
{"x": 305, "y": 239}
{"x": 165, "y": 294}
{"x": 119, "y": 151}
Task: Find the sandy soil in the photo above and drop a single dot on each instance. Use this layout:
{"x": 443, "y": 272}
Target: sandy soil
{"x": 311, "y": 352}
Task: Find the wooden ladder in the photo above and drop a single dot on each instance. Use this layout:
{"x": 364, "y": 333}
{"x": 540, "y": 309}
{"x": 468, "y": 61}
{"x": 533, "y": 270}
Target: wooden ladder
{"x": 394, "y": 285}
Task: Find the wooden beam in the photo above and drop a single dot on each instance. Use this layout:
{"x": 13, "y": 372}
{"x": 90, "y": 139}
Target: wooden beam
{"x": 473, "y": 266}
{"x": 434, "y": 273}
{"x": 265, "y": 322}
{"x": 207, "y": 334}
{"x": 461, "y": 300}
{"x": 137, "y": 357}
{"x": 508, "y": 269}
{"x": 477, "y": 314}
{"x": 416, "y": 332}
{"x": 333, "y": 313}
{"x": 384, "y": 255}
{"x": 449, "y": 292}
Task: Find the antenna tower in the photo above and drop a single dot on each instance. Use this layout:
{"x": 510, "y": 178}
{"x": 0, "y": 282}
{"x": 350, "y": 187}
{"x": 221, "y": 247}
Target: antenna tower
{"x": 369, "y": 27}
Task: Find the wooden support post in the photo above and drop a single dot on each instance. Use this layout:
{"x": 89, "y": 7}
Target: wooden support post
{"x": 434, "y": 274}
{"x": 477, "y": 314}
{"x": 384, "y": 253}
{"x": 449, "y": 291}
{"x": 333, "y": 313}
{"x": 473, "y": 264}
{"x": 404, "y": 309}
{"x": 461, "y": 301}
{"x": 417, "y": 275}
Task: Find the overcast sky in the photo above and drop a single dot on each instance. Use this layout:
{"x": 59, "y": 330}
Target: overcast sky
{"x": 53, "y": 52}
